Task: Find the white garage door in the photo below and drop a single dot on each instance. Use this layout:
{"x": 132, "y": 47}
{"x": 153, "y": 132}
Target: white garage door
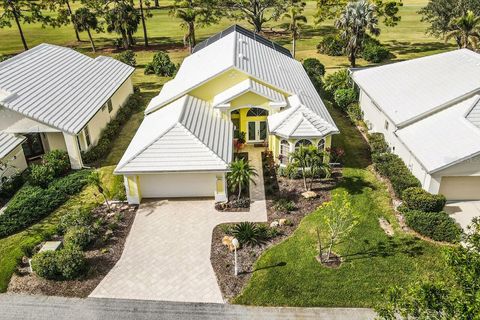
{"x": 177, "y": 185}
{"x": 460, "y": 188}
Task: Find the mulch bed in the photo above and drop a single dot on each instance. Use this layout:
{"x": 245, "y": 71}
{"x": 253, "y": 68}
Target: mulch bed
{"x": 101, "y": 257}
{"x": 223, "y": 261}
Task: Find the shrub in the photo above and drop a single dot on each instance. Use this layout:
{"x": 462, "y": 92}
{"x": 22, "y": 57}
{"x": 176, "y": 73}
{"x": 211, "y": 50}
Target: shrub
{"x": 284, "y": 205}
{"x": 337, "y": 80}
{"x": 332, "y": 45}
{"x": 375, "y": 53}
{"x": 45, "y": 265}
{"x": 418, "y": 199}
{"x": 438, "y": 226}
{"x": 314, "y": 67}
{"x": 377, "y": 143}
{"x": 290, "y": 171}
{"x": 127, "y": 57}
{"x": 58, "y": 161}
{"x": 78, "y": 236}
{"x": 249, "y": 234}
{"x": 71, "y": 184}
{"x": 161, "y": 65}
{"x": 40, "y": 175}
{"x": 11, "y": 185}
{"x": 75, "y": 218}
{"x": 354, "y": 112}
{"x": 71, "y": 263}
{"x": 345, "y": 97}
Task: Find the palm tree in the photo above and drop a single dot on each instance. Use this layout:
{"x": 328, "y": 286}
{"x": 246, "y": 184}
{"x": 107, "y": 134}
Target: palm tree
{"x": 466, "y": 30}
{"x": 301, "y": 158}
{"x": 318, "y": 164}
{"x": 241, "y": 173}
{"x": 357, "y": 18}
{"x": 85, "y": 20}
{"x": 188, "y": 17}
{"x": 95, "y": 179}
{"x": 296, "y": 19}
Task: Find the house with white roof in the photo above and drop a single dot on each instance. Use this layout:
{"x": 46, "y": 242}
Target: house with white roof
{"x": 53, "y": 97}
{"x": 235, "y": 81}
{"x": 429, "y": 112}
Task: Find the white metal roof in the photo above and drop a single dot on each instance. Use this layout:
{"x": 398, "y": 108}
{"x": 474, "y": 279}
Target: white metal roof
{"x": 246, "y": 54}
{"x": 411, "y": 89}
{"x": 245, "y": 86}
{"x": 8, "y": 142}
{"x": 185, "y": 135}
{"x": 59, "y": 86}
{"x": 444, "y": 138}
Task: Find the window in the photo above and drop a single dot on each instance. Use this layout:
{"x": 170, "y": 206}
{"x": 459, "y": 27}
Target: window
{"x": 234, "y": 112}
{"x": 303, "y": 142}
{"x": 257, "y": 112}
{"x": 110, "y": 106}
{"x": 386, "y": 125}
{"x": 284, "y": 151}
{"x": 87, "y": 136}
{"x": 321, "y": 144}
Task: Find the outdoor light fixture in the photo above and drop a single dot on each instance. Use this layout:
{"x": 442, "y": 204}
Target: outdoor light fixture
{"x": 235, "y": 244}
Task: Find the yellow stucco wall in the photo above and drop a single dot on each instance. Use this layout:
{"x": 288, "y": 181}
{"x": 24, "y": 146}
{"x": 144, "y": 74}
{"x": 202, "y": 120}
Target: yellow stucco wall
{"x": 219, "y": 84}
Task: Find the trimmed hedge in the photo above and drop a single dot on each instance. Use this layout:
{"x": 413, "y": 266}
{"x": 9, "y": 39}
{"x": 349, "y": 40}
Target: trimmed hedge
{"x": 419, "y": 199}
{"x": 438, "y": 226}
{"x": 344, "y": 98}
{"x": 375, "y": 53}
{"x": 65, "y": 264}
{"x": 33, "y": 203}
{"x": 78, "y": 236}
{"x": 105, "y": 143}
{"x": 377, "y": 143}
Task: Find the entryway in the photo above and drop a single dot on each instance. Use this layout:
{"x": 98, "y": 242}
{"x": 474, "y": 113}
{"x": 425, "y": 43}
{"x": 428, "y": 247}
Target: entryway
{"x": 257, "y": 131}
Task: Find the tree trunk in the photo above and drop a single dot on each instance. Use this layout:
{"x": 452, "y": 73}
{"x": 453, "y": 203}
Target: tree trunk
{"x": 15, "y": 15}
{"x": 71, "y": 19}
{"x": 329, "y": 252}
{"x": 320, "y": 253}
{"x": 91, "y": 40}
{"x": 257, "y": 23}
{"x": 126, "y": 44}
{"x": 157, "y": 4}
{"x": 293, "y": 44}
{"x": 239, "y": 191}
{"x": 145, "y": 36}
{"x": 304, "y": 179}
{"x": 352, "y": 59}
{"x": 130, "y": 39}
{"x": 192, "y": 40}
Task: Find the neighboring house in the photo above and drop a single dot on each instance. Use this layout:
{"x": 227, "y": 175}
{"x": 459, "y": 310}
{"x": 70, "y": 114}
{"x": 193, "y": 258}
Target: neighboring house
{"x": 235, "y": 80}
{"x": 429, "y": 111}
{"x": 57, "y": 98}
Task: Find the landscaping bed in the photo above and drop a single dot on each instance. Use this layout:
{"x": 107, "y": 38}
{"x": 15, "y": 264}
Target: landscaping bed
{"x": 101, "y": 255}
{"x": 223, "y": 260}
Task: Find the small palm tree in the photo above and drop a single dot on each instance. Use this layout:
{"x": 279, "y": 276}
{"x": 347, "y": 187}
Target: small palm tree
{"x": 466, "y": 30}
{"x": 357, "y": 18}
{"x": 318, "y": 164}
{"x": 296, "y": 19}
{"x": 85, "y": 20}
{"x": 95, "y": 179}
{"x": 301, "y": 157}
{"x": 188, "y": 17}
{"x": 241, "y": 173}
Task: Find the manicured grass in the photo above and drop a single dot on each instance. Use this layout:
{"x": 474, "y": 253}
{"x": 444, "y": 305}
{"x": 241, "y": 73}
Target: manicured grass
{"x": 289, "y": 274}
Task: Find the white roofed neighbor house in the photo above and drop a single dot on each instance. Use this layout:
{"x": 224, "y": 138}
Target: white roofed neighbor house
{"x": 53, "y": 97}
{"x": 235, "y": 81}
{"x": 429, "y": 112}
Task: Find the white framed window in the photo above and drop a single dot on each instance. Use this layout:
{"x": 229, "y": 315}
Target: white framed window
{"x": 303, "y": 142}
{"x": 257, "y": 112}
{"x": 87, "y": 136}
{"x": 284, "y": 151}
{"x": 386, "y": 125}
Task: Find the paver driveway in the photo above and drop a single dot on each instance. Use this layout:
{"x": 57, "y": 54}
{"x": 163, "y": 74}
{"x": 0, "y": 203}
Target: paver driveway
{"x": 167, "y": 253}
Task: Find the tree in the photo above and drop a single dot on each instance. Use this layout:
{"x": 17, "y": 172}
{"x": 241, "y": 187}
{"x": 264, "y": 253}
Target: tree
{"x": 95, "y": 179}
{"x": 194, "y": 14}
{"x": 241, "y": 173}
{"x": 254, "y": 11}
{"x": 301, "y": 159}
{"x": 310, "y": 160}
{"x": 318, "y": 164}
{"x": 437, "y": 300}
{"x": 465, "y": 30}
{"x": 85, "y": 20}
{"x": 296, "y": 19}
{"x": 64, "y": 11}
{"x": 143, "y": 15}
{"x": 337, "y": 220}
{"x": 22, "y": 11}
{"x": 123, "y": 19}
{"x": 440, "y": 14}
{"x": 357, "y": 18}
{"x": 157, "y": 4}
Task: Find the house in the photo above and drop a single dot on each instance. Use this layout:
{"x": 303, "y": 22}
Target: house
{"x": 234, "y": 81}
{"x": 57, "y": 98}
{"x": 429, "y": 112}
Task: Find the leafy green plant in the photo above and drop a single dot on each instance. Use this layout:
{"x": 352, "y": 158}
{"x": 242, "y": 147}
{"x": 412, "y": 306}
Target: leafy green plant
{"x": 78, "y": 236}
{"x": 345, "y": 97}
{"x": 416, "y": 198}
{"x": 241, "y": 173}
{"x": 377, "y": 143}
{"x": 75, "y": 218}
{"x": 40, "y": 175}
{"x": 71, "y": 263}
{"x": 284, "y": 205}
{"x": 127, "y": 57}
{"x": 337, "y": 80}
{"x": 438, "y": 226}
{"x": 375, "y": 53}
{"x": 354, "y": 112}
{"x": 58, "y": 161}
{"x": 331, "y": 45}
{"x": 161, "y": 65}
{"x": 95, "y": 179}
{"x": 249, "y": 234}
{"x": 44, "y": 264}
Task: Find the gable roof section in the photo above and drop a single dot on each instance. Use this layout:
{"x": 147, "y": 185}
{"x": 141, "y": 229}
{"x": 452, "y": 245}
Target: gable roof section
{"x": 473, "y": 114}
{"x": 8, "y": 142}
{"x": 444, "y": 138}
{"x": 251, "y": 56}
{"x": 245, "y": 86}
{"x": 408, "y": 90}
{"x": 59, "y": 86}
{"x": 185, "y": 135}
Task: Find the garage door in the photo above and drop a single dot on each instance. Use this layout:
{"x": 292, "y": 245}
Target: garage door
{"x": 177, "y": 185}
{"x": 460, "y": 188}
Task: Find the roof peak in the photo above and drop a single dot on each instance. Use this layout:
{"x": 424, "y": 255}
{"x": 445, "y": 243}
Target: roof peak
{"x": 248, "y": 33}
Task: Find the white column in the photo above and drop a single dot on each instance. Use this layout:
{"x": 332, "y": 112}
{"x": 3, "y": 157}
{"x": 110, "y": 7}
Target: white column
{"x": 73, "y": 151}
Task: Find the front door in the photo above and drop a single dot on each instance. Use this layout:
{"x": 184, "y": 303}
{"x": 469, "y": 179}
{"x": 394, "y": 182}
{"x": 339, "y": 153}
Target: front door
{"x": 257, "y": 131}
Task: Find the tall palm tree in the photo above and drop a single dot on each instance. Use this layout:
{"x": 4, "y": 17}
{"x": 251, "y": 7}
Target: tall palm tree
{"x": 241, "y": 173}
{"x": 296, "y": 19}
{"x": 188, "y": 17}
{"x": 466, "y": 30}
{"x": 85, "y": 20}
{"x": 358, "y": 18}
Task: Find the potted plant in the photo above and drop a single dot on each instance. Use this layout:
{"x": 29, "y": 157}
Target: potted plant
{"x": 239, "y": 140}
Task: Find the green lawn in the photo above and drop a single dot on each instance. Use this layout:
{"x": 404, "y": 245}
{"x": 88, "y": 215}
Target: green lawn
{"x": 373, "y": 261}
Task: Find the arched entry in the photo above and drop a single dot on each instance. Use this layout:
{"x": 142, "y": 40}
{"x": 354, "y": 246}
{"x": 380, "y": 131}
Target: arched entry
{"x": 257, "y": 130}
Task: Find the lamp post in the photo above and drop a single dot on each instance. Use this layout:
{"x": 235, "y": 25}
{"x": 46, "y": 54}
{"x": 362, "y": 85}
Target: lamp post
{"x": 235, "y": 244}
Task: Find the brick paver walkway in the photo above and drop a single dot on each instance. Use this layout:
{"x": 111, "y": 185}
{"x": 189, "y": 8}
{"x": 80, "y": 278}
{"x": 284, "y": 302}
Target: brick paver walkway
{"x": 167, "y": 253}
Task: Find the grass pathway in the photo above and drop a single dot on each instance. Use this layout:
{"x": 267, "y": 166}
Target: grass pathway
{"x": 373, "y": 261}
